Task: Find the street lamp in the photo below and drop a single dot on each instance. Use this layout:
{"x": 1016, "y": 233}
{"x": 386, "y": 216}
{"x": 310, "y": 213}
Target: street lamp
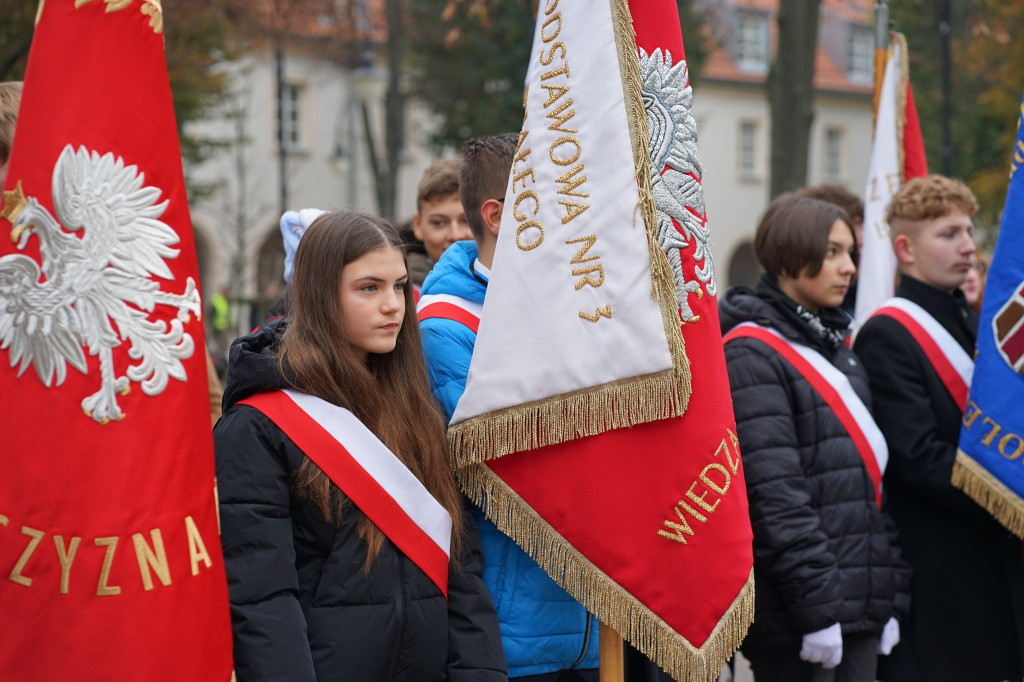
{"x": 370, "y": 85}
{"x": 344, "y": 159}
{"x": 369, "y": 81}
{"x": 339, "y": 160}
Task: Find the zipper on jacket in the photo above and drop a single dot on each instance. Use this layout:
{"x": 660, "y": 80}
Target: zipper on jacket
{"x": 399, "y": 615}
{"x": 586, "y": 642}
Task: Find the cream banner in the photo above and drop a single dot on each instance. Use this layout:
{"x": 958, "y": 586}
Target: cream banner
{"x": 877, "y": 276}
{"x": 575, "y": 336}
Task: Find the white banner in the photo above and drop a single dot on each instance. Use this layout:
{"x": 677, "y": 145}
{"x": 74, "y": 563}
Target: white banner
{"x": 877, "y": 273}
{"x": 571, "y": 282}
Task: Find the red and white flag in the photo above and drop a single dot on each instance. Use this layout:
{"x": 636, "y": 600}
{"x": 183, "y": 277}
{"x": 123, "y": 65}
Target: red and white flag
{"x": 109, "y": 545}
{"x": 596, "y": 428}
{"x": 897, "y": 155}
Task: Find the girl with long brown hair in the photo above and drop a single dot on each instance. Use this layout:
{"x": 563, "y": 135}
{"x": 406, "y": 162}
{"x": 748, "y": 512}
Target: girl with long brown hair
{"x": 344, "y": 541}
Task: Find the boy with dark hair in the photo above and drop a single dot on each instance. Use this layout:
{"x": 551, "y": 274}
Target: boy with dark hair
{"x": 967, "y": 590}
{"x": 10, "y": 101}
{"x": 545, "y": 633}
{"x": 440, "y": 220}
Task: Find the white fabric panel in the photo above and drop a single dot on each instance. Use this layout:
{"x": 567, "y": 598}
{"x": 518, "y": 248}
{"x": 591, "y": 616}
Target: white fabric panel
{"x": 533, "y": 342}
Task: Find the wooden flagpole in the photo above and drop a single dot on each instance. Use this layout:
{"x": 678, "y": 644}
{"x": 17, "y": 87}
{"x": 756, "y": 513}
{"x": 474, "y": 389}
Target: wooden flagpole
{"x": 881, "y": 52}
{"x": 610, "y": 656}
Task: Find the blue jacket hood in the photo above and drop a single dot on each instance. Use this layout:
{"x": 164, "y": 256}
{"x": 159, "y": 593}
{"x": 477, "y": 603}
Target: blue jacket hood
{"x": 449, "y": 273}
{"x": 543, "y": 630}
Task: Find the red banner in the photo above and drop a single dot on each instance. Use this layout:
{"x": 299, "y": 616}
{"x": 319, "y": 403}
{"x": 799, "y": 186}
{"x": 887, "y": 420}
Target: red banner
{"x": 646, "y": 525}
{"x": 109, "y": 547}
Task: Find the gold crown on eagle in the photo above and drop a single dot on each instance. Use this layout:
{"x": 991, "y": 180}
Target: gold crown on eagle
{"x": 14, "y": 203}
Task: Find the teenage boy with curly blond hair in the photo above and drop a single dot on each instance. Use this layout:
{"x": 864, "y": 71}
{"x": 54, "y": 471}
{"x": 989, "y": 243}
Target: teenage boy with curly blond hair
{"x": 967, "y": 591}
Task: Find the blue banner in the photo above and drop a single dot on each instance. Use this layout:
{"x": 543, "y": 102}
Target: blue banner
{"x": 990, "y": 464}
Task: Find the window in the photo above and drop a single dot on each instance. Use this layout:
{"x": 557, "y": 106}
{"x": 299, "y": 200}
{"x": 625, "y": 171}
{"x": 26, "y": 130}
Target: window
{"x": 291, "y": 117}
{"x": 747, "y": 151}
{"x": 861, "y": 62}
{"x": 752, "y": 41}
{"x": 833, "y": 155}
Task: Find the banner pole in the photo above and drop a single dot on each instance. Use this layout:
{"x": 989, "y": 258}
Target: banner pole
{"x": 881, "y": 53}
{"x": 610, "y": 655}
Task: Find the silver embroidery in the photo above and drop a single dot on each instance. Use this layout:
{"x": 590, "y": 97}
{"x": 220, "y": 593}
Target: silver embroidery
{"x": 675, "y": 173}
{"x": 97, "y": 292}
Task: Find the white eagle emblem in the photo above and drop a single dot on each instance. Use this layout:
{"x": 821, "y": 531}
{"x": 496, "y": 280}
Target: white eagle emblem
{"x": 98, "y": 290}
{"x": 676, "y": 171}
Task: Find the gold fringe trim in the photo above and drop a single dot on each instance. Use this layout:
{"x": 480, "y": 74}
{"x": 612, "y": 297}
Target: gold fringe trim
{"x": 662, "y": 282}
{"x": 988, "y": 491}
{"x": 901, "y": 99}
{"x": 601, "y": 595}
{"x": 569, "y": 416}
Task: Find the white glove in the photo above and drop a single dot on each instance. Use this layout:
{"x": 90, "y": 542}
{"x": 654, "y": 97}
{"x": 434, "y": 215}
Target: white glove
{"x": 824, "y": 646}
{"x": 890, "y": 637}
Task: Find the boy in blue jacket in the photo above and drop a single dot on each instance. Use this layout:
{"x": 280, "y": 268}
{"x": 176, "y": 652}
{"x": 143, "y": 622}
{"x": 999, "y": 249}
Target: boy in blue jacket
{"x": 546, "y": 634}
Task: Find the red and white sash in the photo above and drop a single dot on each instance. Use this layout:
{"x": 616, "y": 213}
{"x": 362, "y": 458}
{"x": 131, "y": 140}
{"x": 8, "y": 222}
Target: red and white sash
{"x": 368, "y": 473}
{"x": 951, "y": 362}
{"x": 449, "y": 307}
{"x": 837, "y": 391}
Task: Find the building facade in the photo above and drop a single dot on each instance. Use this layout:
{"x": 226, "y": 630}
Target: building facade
{"x": 326, "y": 162}
{"x": 734, "y": 122}
{"x": 238, "y": 191}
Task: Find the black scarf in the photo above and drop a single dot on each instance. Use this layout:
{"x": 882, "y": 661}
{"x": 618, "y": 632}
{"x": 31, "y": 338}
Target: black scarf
{"x": 829, "y": 325}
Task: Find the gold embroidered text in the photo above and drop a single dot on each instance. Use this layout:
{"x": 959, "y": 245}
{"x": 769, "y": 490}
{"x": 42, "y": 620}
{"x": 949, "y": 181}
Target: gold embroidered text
{"x": 149, "y": 549}
{"x": 706, "y": 493}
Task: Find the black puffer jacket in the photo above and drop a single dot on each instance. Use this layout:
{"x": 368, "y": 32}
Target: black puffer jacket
{"x": 301, "y": 606}
{"x": 823, "y": 552}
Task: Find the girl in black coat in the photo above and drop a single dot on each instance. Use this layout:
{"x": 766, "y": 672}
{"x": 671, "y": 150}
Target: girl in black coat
{"x": 318, "y": 591}
{"x": 830, "y": 585}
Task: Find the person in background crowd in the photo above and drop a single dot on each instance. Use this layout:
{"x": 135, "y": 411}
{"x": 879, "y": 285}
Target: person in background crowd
{"x": 966, "y": 621}
{"x": 546, "y": 634}
{"x": 440, "y": 220}
{"x": 416, "y": 255}
{"x": 10, "y": 102}
{"x": 293, "y": 225}
{"x": 222, "y": 317}
{"x": 831, "y": 586}
{"x": 854, "y": 207}
{"x": 319, "y": 589}
{"x": 974, "y": 286}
